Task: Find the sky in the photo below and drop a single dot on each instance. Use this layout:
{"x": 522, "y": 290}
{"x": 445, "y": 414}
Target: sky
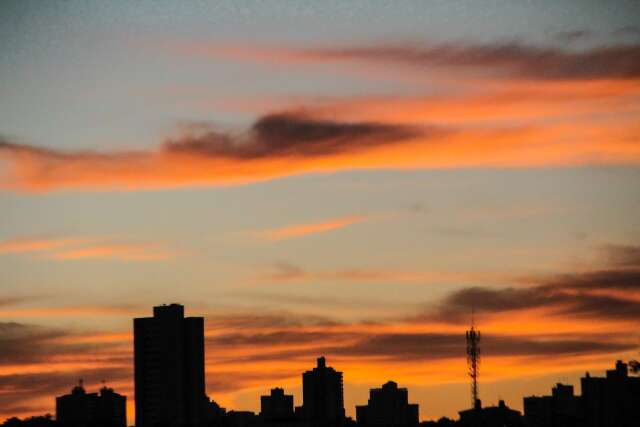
{"x": 347, "y": 179}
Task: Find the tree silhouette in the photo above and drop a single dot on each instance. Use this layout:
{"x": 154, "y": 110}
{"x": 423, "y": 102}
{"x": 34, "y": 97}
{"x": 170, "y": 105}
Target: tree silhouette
{"x": 39, "y": 421}
{"x": 634, "y": 366}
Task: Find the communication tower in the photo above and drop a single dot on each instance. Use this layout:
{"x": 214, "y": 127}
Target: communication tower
{"x": 473, "y": 361}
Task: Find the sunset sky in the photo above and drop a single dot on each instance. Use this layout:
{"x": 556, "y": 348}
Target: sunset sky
{"x": 347, "y": 179}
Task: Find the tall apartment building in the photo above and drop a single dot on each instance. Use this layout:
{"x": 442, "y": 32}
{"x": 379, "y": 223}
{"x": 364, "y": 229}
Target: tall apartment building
{"x": 322, "y": 395}
{"x": 169, "y": 369}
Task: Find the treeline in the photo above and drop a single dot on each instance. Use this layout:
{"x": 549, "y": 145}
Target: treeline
{"x": 39, "y": 421}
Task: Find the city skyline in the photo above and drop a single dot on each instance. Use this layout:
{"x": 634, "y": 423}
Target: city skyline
{"x": 170, "y": 391}
{"x": 347, "y": 179}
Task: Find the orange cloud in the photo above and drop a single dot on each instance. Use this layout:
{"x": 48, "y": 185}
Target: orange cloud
{"x": 290, "y": 146}
{"x": 66, "y": 311}
{"x": 25, "y": 245}
{"x": 85, "y": 248}
{"x": 528, "y": 107}
{"x": 504, "y": 103}
{"x": 124, "y": 252}
{"x": 300, "y": 230}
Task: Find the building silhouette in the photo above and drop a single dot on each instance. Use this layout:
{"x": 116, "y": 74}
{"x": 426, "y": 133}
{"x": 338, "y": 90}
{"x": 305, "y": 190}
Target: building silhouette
{"x": 214, "y": 413}
{"x": 490, "y": 416}
{"x": 240, "y": 419}
{"x": 561, "y": 409}
{"x": 82, "y": 409}
{"x": 170, "y": 392}
{"x": 388, "y": 406}
{"x": 276, "y": 407}
{"x": 169, "y": 369}
{"x": 322, "y": 397}
{"x": 610, "y": 401}
{"x": 613, "y": 400}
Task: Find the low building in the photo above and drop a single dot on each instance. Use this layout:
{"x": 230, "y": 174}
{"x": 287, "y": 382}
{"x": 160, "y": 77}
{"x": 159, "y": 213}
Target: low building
{"x": 241, "y": 419}
{"x": 388, "y": 406}
{"x": 82, "y": 409}
{"x": 491, "y": 416}
{"x": 561, "y": 409}
{"x": 276, "y": 407}
{"x": 613, "y": 400}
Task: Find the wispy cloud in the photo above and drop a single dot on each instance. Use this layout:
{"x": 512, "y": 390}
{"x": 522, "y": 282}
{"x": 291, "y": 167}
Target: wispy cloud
{"x": 36, "y": 244}
{"x": 24, "y": 344}
{"x": 503, "y": 59}
{"x": 124, "y": 252}
{"x": 514, "y": 127}
{"x": 34, "y": 311}
{"x": 300, "y": 230}
{"x": 78, "y": 248}
{"x": 288, "y": 272}
{"x": 495, "y": 103}
{"x": 612, "y": 294}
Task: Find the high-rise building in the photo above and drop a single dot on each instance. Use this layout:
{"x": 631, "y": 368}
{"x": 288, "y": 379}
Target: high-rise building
{"x": 169, "y": 369}
{"x": 322, "y": 396}
{"x": 388, "y": 407}
{"x": 277, "y": 406}
{"x": 82, "y": 409}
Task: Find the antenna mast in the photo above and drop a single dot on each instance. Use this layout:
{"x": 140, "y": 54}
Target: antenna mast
{"x": 473, "y": 360}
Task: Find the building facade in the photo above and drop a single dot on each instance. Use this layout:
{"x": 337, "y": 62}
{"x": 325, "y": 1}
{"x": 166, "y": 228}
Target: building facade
{"x": 169, "y": 369}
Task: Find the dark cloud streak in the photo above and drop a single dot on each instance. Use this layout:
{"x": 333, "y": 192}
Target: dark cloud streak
{"x": 294, "y": 135}
{"x": 427, "y": 346}
{"x": 515, "y": 59}
{"x": 403, "y": 347}
{"x": 602, "y": 294}
{"x": 22, "y": 343}
{"x": 623, "y": 256}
